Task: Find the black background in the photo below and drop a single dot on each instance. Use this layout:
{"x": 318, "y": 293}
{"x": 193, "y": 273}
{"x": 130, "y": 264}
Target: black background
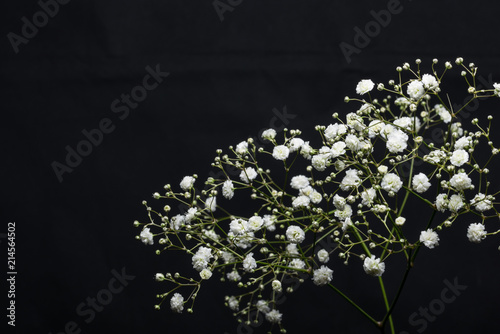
{"x": 226, "y": 78}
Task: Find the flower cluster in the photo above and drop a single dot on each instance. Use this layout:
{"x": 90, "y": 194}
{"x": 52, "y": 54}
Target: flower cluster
{"x": 346, "y": 200}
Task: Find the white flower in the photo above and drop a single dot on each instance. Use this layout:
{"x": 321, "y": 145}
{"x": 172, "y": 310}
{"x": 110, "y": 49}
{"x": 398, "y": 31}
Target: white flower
{"x": 205, "y": 274}
{"x": 319, "y": 161}
{"x": 351, "y": 180}
{"x": 233, "y": 303}
{"x": 177, "y": 222}
{"x": 228, "y": 257}
{"x": 299, "y": 182}
{"x": 455, "y": 203}
{"x": 346, "y": 223}
{"x": 352, "y": 142}
{"x": 368, "y": 196}
{"x": 391, "y": 182}
{"x": 408, "y": 123}
{"x": 476, "y": 232}
{"x": 306, "y": 150}
{"x": 382, "y": 169}
{"x": 315, "y": 197}
{"x": 322, "y": 275}
{"x": 435, "y": 157}
{"x": 146, "y": 236}
{"x": 430, "y": 81}
{"x": 373, "y": 266}
{"x": 159, "y": 277}
{"x": 429, "y": 238}
{"x": 441, "y": 202}
{"x": 190, "y": 214}
{"x": 459, "y": 157}
{"x": 323, "y": 256}
{"x": 339, "y": 202}
{"x": 334, "y": 130}
{"x": 297, "y": 263}
{"x": 242, "y": 148}
{"x": 461, "y": 181}
{"x": 255, "y": 223}
{"x": 269, "y": 222}
{"x": 301, "y": 202}
{"x": 482, "y": 202}
{"x": 276, "y": 285}
{"x": 211, "y": 203}
{"x": 274, "y": 316}
{"x": 233, "y": 276}
{"x": 463, "y": 142}
{"x": 295, "y": 234}
{"x": 268, "y": 134}
{"x": 187, "y": 182}
{"x": 355, "y": 121}
{"x": 249, "y": 263}
{"x": 177, "y": 303}
{"x": 201, "y": 257}
{"x": 262, "y": 306}
{"x": 364, "y": 86}
{"x": 345, "y": 213}
{"x": 497, "y": 89}
{"x": 397, "y": 141}
{"x": 239, "y": 226}
{"x": 295, "y": 144}
{"x": 292, "y": 249}
{"x": 228, "y": 189}
{"x": 374, "y": 128}
{"x": 443, "y": 113}
{"x": 337, "y": 149}
{"x": 248, "y": 174}
{"x": 281, "y": 152}
{"x": 416, "y": 89}
{"x": 420, "y": 183}
{"x": 400, "y": 221}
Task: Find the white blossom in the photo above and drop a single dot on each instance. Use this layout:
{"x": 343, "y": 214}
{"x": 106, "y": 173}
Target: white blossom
{"x": 463, "y": 142}
{"x": 397, "y": 141}
{"x": 430, "y": 82}
{"x": 429, "y": 238}
{"x": 242, "y": 148}
{"x": 339, "y": 202}
{"x": 364, "y": 86}
{"x": 355, "y": 121}
{"x": 455, "y": 203}
{"x": 268, "y": 134}
{"x": 233, "y": 303}
{"x": 391, "y": 182}
{"x": 187, "y": 183}
{"x": 400, "y": 221}
{"x": 461, "y": 181}
{"x": 443, "y": 113}
{"x": 482, "y": 202}
{"x": 351, "y": 180}
{"x": 374, "y": 128}
{"x": 205, "y": 274}
{"x": 228, "y": 189}
{"x": 306, "y": 150}
{"x": 322, "y": 275}
{"x": 233, "y": 276}
{"x": 323, "y": 256}
{"x": 319, "y": 161}
{"x": 201, "y": 258}
{"x": 373, "y": 266}
{"x": 496, "y": 86}
{"x": 338, "y": 148}
{"x": 295, "y": 234}
{"x": 269, "y": 222}
{"x": 346, "y": 223}
{"x": 459, "y": 157}
{"x": 415, "y": 89}
{"x": 274, "y": 316}
{"x": 435, "y": 157}
{"x": 420, "y": 183}
{"x": 249, "y": 262}
{"x": 255, "y": 223}
{"x": 146, "y": 236}
{"x": 345, "y": 213}
{"x": 299, "y": 182}
{"x": 292, "y": 249}
{"x": 297, "y": 263}
{"x": 442, "y": 202}
{"x": 368, "y": 196}
{"x": 476, "y": 232}
{"x": 281, "y": 152}
{"x": 248, "y": 174}
{"x": 295, "y": 144}
{"x": 177, "y": 303}
{"x": 276, "y": 285}
{"x": 334, "y": 130}
{"x": 301, "y": 202}
{"x": 262, "y": 306}
{"x": 211, "y": 203}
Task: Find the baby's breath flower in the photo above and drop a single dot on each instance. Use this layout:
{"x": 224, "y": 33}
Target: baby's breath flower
{"x": 429, "y": 238}
{"x": 364, "y": 86}
{"x": 146, "y": 236}
{"x": 476, "y": 232}
{"x": 177, "y": 303}
{"x": 187, "y": 183}
{"x": 269, "y": 134}
{"x": 373, "y": 266}
{"x": 281, "y": 152}
{"x": 295, "y": 234}
{"x": 322, "y": 275}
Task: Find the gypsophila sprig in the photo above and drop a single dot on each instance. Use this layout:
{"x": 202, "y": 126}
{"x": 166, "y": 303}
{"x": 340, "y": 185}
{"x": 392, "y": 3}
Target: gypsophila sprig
{"x": 347, "y": 194}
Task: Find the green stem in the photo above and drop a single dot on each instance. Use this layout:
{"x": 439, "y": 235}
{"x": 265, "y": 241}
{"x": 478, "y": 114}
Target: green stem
{"x": 354, "y": 304}
{"x": 388, "y": 308}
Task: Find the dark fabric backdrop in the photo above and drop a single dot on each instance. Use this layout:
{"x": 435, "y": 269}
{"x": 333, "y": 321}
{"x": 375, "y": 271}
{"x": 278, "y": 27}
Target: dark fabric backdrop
{"x": 231, "y": 71}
